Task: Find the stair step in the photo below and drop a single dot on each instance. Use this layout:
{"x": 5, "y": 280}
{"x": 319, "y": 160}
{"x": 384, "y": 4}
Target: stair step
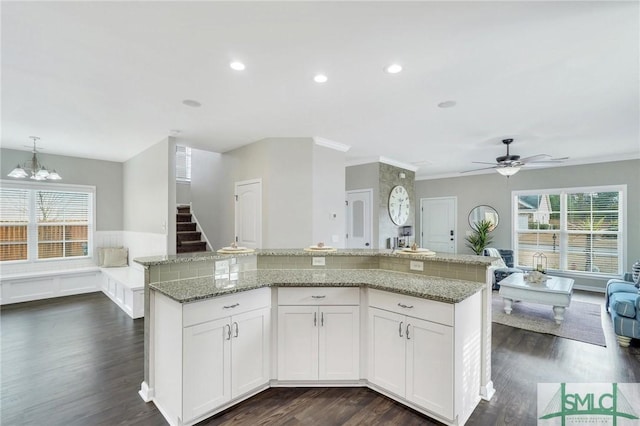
{"x": 184, "y": 209}
{"x": 183, "y": 217}
{"x": 188, "y": 236}
{"x": 191, "y": 246}
{"x": 185, "y": 227}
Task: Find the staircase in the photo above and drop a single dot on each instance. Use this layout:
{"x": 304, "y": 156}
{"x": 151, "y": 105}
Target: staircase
{"x": 187, "y": 236}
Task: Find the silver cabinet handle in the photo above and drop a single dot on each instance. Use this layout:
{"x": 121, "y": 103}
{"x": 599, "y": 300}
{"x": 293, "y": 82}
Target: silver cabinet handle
{"x": 235, "y": 305}
{"x": 408, "y": 325}
{"x": 402, "y": 305}
{"x": 400, "y": 328}
{"x": 228, "y": 331}
{"x": 315, "y": 319}
{"x": 237, "y": 329}
{"x": 321, "y": 319}
{"x": 318, "y": 297}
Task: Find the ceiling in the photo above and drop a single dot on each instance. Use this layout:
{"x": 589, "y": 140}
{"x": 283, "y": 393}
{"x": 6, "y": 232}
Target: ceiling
{"x": 106, "y": 80}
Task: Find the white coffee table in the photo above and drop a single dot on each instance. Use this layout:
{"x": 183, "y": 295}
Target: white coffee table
{"x": 556, "y": 292}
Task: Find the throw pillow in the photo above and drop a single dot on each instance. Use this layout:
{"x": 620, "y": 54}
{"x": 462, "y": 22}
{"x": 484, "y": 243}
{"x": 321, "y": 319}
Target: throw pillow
{"x": 114, "y": 257}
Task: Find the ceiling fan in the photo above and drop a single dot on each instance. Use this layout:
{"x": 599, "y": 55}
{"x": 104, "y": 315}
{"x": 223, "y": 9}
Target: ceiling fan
{"x": 509, "y": 164}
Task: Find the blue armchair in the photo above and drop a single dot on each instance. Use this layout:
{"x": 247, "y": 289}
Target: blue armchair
{"x": 623, "y": 303}
{"x": 503, "y": 270}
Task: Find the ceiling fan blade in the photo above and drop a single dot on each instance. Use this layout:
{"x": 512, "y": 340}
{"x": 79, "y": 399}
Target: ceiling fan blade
{"x": 483, "y": 162}
{"x": 482, "y": 168}
{"x": 534, "y": 158}
{"x": 550, "y": 161}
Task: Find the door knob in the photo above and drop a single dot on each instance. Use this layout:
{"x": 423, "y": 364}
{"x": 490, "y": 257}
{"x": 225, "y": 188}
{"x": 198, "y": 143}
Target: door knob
{"x": 366, "y": 244}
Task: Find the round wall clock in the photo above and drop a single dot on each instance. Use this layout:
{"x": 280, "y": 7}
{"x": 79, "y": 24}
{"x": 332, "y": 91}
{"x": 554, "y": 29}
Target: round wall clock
{"x": 399, "y": 205}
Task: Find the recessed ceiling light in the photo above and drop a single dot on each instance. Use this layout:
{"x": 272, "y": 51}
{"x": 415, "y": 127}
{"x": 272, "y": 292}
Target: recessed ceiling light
{"x": 238, "y": 66}
{"x": 192, "y": 103}
{"x": 447, "y": 104}
{"x": 393, "y": 68}
{"x": 320, "y": 78}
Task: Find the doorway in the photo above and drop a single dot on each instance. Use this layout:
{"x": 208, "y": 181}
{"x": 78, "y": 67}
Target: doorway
{"x": 438, "y": 224}
{"x": 359, "y": 218}
{"x": 248, "y": 213}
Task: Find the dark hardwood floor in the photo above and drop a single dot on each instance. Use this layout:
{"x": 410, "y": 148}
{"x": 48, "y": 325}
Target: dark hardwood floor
{"x": 78, "y": 361}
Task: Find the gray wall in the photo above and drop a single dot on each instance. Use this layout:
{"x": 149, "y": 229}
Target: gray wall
{"x": 209, "y": 197}
{"x": 146, "y": 190}
{"x": 106, "y": 176}
{"x": 328, "y": 210}
{"x": 495, "y": 190}
{"x": 389, "y": 178}
{"x": 382, "y": 178}
{"x": 366, "y": 176}
{"x": 302, "y": 185}
{"x": 183, "y": 192}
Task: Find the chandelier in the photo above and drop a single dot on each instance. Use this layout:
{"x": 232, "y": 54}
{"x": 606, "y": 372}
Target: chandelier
{"x": 34, "y": 167}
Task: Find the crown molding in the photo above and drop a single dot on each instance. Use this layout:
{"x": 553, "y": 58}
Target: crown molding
{"x": 331, "y": 144}
{"x": 385, "y": 160}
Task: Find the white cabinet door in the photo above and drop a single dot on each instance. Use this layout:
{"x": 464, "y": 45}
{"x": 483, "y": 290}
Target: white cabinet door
{"x": 387, "y": 350}
{"x": 430, "y": 366}
{"x": 249, "y": 351}
{"x": 297, "y": 342}
{"x": 339, "y": 345}
{"x": 206, "y": 367}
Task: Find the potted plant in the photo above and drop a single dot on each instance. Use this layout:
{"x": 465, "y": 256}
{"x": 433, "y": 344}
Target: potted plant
{"x": 480, "y": 238}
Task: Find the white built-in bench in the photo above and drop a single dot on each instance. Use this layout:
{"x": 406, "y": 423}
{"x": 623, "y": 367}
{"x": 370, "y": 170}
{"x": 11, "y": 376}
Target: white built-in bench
{"x": 35, "y": 285}
{"x": 125, "y": 286}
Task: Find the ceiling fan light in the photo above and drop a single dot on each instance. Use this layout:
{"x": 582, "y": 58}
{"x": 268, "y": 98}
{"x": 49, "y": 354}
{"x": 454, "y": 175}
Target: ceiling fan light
{"x": 508, "y": 170}
{"x": 18, "y": 172}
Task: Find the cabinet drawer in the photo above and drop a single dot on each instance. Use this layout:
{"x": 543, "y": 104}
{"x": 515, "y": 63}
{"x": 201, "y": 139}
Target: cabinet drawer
{"x": 224, "y": 306}
{"x": 318, "y": 296}
{"x": 429, "y": 310}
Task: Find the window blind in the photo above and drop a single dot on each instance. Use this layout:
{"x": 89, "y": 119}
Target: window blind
{"x": 63, "y": 222}
{"x": 14, "y": 220}
{"x": 38, "y": 223}
{"x": 183, "y": 163}
{"x": 577, "y": 230}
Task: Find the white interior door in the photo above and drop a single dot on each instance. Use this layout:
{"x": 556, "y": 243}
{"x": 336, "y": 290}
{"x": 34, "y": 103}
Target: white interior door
{"x": 359, "y": 219}
{"x": 438, "y": 224}
{"x": 248, "y": 214}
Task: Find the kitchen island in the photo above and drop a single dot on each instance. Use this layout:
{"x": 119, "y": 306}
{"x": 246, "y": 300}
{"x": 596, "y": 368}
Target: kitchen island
{"x": 419, "y": 339}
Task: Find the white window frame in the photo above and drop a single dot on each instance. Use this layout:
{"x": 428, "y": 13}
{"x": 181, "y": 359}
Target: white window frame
{"x": 564, "y": 234}
{"x": 32, "y": 226}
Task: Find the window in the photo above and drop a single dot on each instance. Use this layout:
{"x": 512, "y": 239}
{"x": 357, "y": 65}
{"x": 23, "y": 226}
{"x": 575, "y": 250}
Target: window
{"x": 578, "y": 230}
{"x": 38, "y": 224}
{"x": 183, "y": 163}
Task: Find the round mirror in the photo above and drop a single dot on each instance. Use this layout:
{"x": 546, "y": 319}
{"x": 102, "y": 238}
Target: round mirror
{"x": 479, "y": 213}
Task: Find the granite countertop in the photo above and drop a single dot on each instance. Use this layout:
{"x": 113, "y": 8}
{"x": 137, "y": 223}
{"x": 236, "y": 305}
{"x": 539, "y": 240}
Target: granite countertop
{"x": 434, "y": 288}
{"x": 203, "y": 256}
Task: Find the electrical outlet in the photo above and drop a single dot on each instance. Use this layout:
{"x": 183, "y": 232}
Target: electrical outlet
{"x": 318, "y": 261}
{"x": 416, "y": 265}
